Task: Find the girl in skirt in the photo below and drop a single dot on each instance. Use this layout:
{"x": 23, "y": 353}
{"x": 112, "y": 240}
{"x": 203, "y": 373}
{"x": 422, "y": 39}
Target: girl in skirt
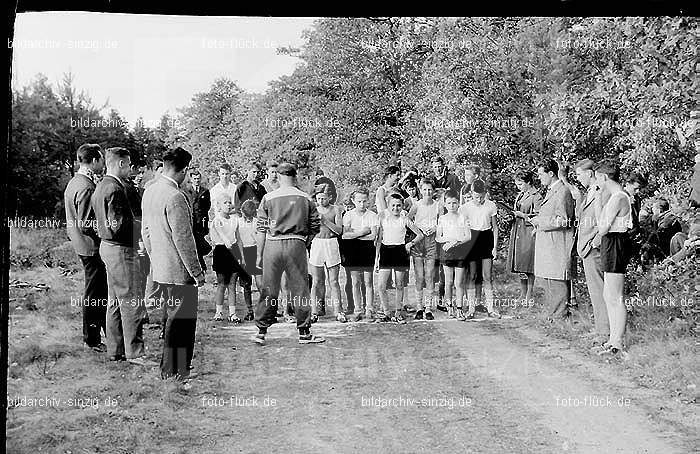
{"x": 393, "y": 255}
{"x": 228, "y": 255}
{"x": 453, "y": 236}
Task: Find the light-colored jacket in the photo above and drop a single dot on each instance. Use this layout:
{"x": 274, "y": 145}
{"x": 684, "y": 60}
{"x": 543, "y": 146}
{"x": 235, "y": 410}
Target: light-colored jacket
{"x": 587, "y": 225}
{"x": 167, "y": 234}
{"x": 553, "y": 243}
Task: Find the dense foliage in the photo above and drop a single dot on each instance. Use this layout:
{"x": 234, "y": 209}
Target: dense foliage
{"x": 500, "y": 92}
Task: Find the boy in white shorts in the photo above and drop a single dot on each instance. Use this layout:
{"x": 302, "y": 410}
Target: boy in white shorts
{"x": 325, "y": 254}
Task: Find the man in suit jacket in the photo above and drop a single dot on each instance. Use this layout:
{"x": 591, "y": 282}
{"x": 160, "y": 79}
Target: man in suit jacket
{"x": 82, "y": 231}
{"x": 554, "y": 240}
{"x": 167, "y": 234}
{"x": 587, "y": 227}
{"x": 126, "y": 311}
{"x": 249, "y": 188}
{"x": 200, "y": 201}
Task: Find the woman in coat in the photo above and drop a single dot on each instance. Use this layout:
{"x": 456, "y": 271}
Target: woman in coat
{"x": 521, "y": 247}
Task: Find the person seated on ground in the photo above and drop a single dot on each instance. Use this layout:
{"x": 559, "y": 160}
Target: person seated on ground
{"x": 691, "y": 244}
{"x": 694, "y": 199}
{"x": 665, "y": 225}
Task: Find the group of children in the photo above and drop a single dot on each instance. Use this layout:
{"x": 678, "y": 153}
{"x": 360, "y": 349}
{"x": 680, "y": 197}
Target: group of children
{"x": 429, "y": 230}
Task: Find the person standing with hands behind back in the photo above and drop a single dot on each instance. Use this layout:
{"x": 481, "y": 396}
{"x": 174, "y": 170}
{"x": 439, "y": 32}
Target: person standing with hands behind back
{"x": 177, "y": 273}
{"x": 286, "y": 219}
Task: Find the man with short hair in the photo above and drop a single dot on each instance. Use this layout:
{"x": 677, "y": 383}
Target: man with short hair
{"x": 249, "y": 189}
{"x": 391, "y": 178}
{"x": 554, "y": 240}
{"x": 200, "y": 201}
{"x": 82, "y": 231}
{"x": 157, "y": 168}
{"x": 177, "y": 273}
{"x": 586, "y": 230}
{"x": 444, "y": 179}
{"x": 116, "y": 226}
{"x": 287, "y": 218}
{"x": 270, "y": 183}
{"x": 326, "y": 185}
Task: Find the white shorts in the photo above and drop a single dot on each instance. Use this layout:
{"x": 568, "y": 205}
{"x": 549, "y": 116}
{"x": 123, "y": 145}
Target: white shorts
{"x": 324, "y": 251}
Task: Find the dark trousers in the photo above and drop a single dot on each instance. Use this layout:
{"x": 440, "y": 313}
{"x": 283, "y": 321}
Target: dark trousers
{"x": 557, "y": 293}
{"x": 94, "y": 299}
{"x": 284, "y": 256}
{"x": 180, "y": 302}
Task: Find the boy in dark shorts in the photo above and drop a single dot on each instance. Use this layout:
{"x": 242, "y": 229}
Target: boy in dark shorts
{"x": 246, "y": 227}
{"x": 392, "y": 255}
{"x": 453, "y": 236}
{"x": 228, "y": 255}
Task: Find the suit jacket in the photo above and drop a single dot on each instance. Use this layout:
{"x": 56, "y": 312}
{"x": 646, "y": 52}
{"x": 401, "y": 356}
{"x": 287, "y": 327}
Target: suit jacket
{"x": 167, "y": 234}
{"x": 80, "y": 216}
{"x": 587, "y": 225}
{"x": 246, "y": 191}
{"x": 554, "y": 243}
{"x": 200, "y": 201}
{"x": 449, "y": 181}
{"x": 115, "y": 218}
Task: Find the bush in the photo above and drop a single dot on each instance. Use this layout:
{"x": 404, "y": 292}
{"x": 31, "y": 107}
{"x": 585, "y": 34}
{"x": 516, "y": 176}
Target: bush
{"x": 669, "y": 292}
{"x": 36, "y": 247}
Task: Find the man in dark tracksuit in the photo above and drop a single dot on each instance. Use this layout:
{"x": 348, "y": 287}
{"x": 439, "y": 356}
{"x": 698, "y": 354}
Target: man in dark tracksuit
{"x": 287, "y": 219}
{"x": 82, "y": 231}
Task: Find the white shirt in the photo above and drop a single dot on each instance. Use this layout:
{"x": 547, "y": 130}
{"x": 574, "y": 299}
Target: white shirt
{"x": 454, "y": 228}
{"x": 223, "y": 231}
{"x": 479, "y": 216}
{"x": 426, "y": 215}
{"x": 393, "y": 230}
{"x": 247, "y": 231}
{"x": 219, "y": 188}
{"x": 357, "y": 221}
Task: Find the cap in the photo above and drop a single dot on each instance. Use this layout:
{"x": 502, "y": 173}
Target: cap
{"x": 287, "y": 169}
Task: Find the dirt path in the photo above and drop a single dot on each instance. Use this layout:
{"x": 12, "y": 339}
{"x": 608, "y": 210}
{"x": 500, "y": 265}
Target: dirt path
{"x": 425, "y": 387}
{"x": 442, "y": 386}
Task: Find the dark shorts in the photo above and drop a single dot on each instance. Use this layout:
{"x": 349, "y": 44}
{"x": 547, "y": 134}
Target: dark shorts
{"x": 358, "y": 254}
{"x": 394, "y": 257}
{"x": 226, "y": 261}
{"x": 251, "y": 255}
{"x": 613, "y": 257}
{"x": 454, "y": 257}
{"x": 480, "y": 246}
